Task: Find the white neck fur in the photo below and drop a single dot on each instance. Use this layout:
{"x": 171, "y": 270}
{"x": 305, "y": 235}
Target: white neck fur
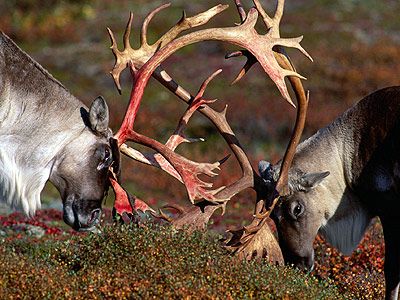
{"x": 20, "y": 187}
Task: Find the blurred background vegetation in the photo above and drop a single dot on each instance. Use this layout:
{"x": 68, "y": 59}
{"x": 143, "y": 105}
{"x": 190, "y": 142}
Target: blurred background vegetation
{"x": 354, "y": 43}
{"x": 355, "y": 46}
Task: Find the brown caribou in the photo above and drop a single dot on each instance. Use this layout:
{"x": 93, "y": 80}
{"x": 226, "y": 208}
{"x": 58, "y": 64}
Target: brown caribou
{"x": 342, "y": 177}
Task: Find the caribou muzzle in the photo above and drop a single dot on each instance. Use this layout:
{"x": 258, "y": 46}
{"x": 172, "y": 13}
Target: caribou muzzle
{"x": 305, "y": 263}
{"x": 82, "y": 215}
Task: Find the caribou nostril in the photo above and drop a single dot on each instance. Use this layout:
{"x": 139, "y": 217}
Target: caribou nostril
{"x": 94, "y": 216}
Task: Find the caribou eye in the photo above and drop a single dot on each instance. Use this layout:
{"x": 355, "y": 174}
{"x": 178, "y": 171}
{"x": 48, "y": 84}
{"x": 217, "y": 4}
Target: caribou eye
{"x": 107, "y": 154}
{"x": 106, "y": 161}
{"x": 297, "y": 209}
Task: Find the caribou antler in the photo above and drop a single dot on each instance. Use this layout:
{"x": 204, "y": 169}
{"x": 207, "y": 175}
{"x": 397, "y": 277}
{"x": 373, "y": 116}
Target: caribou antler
{"x": 243, "y": 35}
{"x": 187, "y": 170}
{"x": 146, "y": 61}
{"x": 138, "y": 57}
{"x": 252, "y": 240}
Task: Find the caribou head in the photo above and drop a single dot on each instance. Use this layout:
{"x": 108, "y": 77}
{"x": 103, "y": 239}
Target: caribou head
{"x": 80, "y": 171}
{"x": 297, "y": 219}
{"x": 48, "y": 134}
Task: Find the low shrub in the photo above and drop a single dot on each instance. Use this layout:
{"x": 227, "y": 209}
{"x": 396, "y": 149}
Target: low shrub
{"x": 145, "y": 262}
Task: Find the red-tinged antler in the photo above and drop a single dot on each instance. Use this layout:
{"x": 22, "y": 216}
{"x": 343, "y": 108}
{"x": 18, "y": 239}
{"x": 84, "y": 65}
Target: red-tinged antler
{"x": 125, "y": 202}
{"x": 243, "y": 35}
{"x": 187, "y": 170}
{"x": 146, "y": 60}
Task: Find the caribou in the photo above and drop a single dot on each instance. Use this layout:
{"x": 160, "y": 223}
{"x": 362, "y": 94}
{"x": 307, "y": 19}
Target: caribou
{"x": 340, "y": 178}
{"x": 48, "y": 134}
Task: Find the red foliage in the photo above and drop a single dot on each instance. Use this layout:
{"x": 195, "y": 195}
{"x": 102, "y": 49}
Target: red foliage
{"x": 43, "y": 219}
{"x": 361, "y": 274}
{"x": 50, "y": 220}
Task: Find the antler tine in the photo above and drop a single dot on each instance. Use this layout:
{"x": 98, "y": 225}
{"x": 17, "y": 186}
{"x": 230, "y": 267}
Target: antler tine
{"x": 150, "y": 159}
{"x": 204, "y": 85}
{"x": 189, "y": 22}
{"x": 146, "y": 22}
{"x": 114, "y": 45}
{"x": 251, "y": 60}
{"x": 294, "y": 43}
{"x": 120, "y": 63}
{"x": 271, "y": 23}
{"x": 162, "y": 215}
{"x": 253, "y": 229}
{"x": 268, "y": 21}
{"x": 279, "y": 11}
{"x": 127, "y": 33}
{"x": 240, "y": 9}
{"x": 177, "y": 138}
{"x": 119, "y": 66}
{"x": 176, "y": 207}
{"x": 264, "y": 215}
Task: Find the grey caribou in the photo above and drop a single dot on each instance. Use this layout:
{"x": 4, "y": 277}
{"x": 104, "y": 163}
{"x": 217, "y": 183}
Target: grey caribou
{"x": 340, "y": 178}
{"x": 48, "y": 134}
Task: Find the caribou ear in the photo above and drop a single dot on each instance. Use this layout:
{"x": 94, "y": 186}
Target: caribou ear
{"x": 264, "y": 167}
{"x": 266, "y": 171}
{"x": 98, "y": 115}
{"x": 311, "y": 180}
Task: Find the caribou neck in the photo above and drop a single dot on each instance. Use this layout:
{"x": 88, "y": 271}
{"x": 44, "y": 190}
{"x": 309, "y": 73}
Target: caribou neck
{"x": 38, "y": 117}
{"x": 345, "y": 217}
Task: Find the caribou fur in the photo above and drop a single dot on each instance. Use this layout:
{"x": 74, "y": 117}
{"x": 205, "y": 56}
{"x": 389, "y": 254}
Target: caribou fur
{"x": 45, "y": 134}
{"x": 342, "y": 177}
